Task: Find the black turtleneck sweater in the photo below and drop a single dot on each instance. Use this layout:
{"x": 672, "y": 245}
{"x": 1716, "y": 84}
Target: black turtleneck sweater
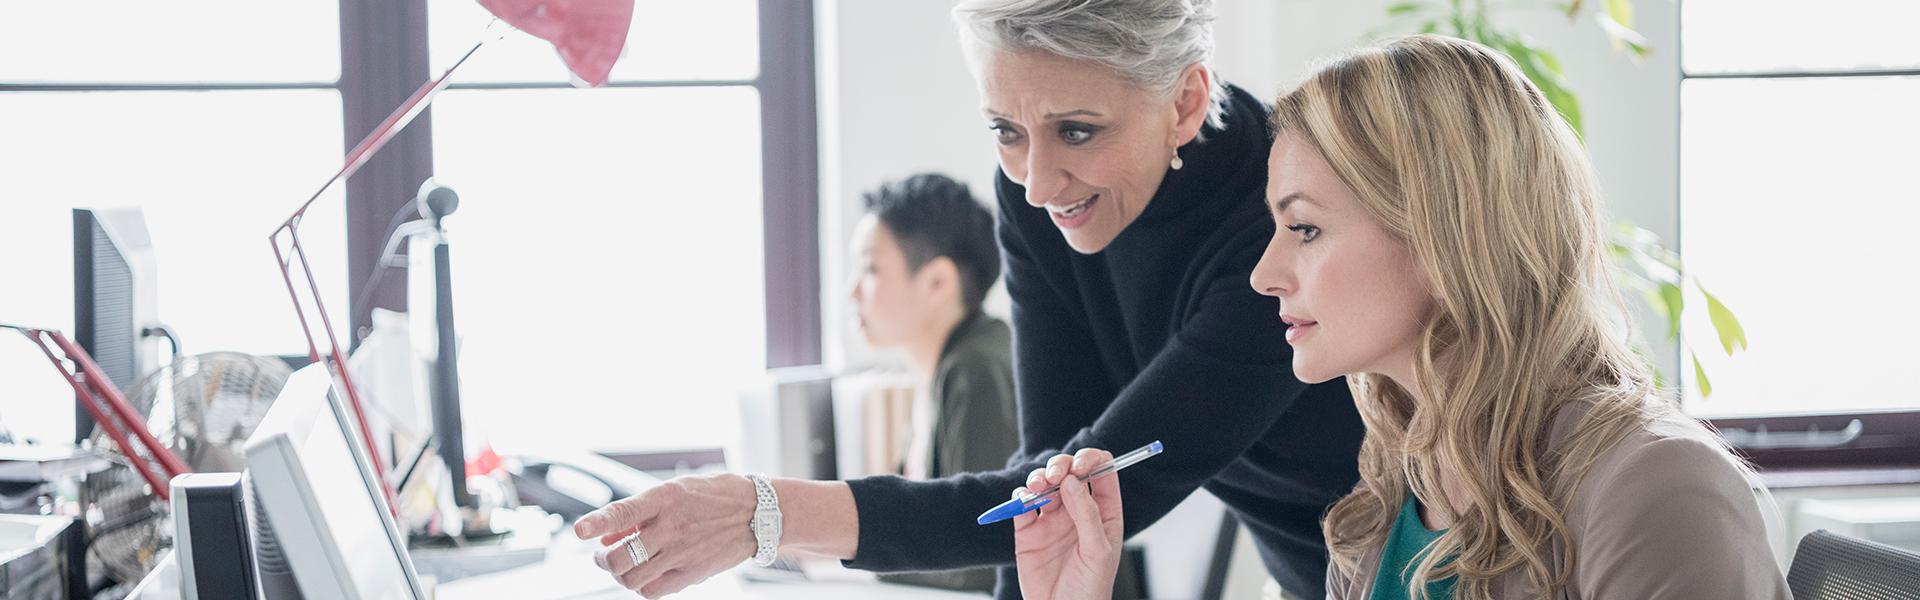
{"x": 1157, "y": 337}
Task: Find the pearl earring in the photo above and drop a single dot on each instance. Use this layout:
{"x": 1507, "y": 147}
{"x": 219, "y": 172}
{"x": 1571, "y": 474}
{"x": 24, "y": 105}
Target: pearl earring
{"x": 1177, "y": 163}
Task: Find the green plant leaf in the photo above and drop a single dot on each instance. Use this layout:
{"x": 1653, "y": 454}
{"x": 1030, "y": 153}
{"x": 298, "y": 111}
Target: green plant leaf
{"x": 1659, "y": 379}
{"x": 1626, "y": 229}
{"x": 1621, "y": 11}
{"x": 1401, "y": 18}
{"x": 1543, "y": 68}
{"x": 1619, "y": 251}
{"x": 1642, "y": 248}
{"x": 1700, "y": 374}
{"x": 1554, "y": 86}
{"x": 1665, "y": 301}
{"x": 1672, "y": 301}
{"x": 1623, "y": 36}
{"x": 1728, "y": 327}
{"x": 1655, "y": 270}
{"x": 1405, "y": 8}
{"x": 1553, "y": 64}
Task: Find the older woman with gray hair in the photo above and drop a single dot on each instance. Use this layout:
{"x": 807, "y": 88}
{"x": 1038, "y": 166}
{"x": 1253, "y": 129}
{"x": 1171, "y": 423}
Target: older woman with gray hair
{"x": 1131, "y": 216}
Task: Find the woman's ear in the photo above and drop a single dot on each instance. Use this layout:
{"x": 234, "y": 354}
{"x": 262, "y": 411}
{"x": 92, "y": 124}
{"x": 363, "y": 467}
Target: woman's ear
{"x": 1190, "y": 103}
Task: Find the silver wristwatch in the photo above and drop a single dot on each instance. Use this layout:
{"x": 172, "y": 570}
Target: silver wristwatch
{"x": 766, "y": 521}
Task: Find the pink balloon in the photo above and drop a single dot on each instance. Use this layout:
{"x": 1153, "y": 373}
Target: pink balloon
{"x": 588, "y": 33}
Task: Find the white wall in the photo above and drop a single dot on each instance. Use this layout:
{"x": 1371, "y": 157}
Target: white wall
{"x": 895, "y": 99}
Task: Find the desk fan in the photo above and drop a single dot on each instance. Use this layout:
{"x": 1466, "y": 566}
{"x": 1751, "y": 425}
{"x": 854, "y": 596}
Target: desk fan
{"x": 203, "y": 408}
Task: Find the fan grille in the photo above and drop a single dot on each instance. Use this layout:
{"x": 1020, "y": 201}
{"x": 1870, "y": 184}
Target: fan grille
{"x": 202, "y": 407}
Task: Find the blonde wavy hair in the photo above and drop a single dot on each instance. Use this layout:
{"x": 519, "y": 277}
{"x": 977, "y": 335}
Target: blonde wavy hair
{"x": 1457, "y": 154}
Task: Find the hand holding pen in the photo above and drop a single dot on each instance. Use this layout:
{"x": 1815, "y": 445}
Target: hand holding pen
{"x": 1072, "y": 553}
{"x": 1025, "y": 501}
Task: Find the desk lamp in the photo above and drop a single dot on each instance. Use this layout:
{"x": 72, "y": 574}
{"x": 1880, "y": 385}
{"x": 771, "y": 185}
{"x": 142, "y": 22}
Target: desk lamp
{"x": 589, "y": 35}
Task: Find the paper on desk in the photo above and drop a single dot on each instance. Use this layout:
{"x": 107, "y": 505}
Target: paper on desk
{"x": 162, "y": 583}
{"x": 568, "y": 572}
{"x": 21, "y": 462}
{"x": 389, "y": 374}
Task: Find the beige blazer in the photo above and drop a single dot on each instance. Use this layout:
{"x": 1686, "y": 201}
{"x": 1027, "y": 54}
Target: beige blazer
{"x": 1666, "y": 514}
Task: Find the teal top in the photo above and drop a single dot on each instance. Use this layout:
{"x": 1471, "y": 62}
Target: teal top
{"x": 1405, "y": 543}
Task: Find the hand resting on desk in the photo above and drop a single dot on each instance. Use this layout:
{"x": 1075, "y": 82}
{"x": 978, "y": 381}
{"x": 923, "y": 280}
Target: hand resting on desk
{"x": 696, "y": 526}
{"x": 692, "y": 527}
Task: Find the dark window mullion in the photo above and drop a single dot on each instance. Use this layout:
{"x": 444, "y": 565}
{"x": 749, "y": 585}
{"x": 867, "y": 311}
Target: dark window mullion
{"x": 790, "y": 178}
{"x": 1805, "y": 74}
{"x": 383, "y": 59}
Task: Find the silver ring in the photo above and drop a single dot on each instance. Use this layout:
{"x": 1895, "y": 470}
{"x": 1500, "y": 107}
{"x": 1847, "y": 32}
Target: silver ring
{"x": 636, "y": 550}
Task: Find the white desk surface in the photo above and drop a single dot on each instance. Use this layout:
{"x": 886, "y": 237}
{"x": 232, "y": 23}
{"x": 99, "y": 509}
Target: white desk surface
{"x": 569, "y": 574}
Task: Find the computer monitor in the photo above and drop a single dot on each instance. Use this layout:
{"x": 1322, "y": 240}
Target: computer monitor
{"x": 329, "y": 516}
{"x": 114, "y": 294}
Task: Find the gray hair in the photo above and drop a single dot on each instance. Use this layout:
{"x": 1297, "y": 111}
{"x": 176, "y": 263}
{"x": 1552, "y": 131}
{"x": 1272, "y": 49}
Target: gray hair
{"x": 1150, "y": 42}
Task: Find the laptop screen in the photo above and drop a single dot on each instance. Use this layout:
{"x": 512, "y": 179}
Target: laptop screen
{"x": 313, "y": 476}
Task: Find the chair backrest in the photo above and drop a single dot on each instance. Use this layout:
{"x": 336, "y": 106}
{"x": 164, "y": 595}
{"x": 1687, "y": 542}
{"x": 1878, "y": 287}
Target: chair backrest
{"x": 1830, "y": 566}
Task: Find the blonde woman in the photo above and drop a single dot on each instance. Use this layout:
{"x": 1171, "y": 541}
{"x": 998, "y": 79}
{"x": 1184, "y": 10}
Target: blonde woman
{"x": 1439, "y": 242}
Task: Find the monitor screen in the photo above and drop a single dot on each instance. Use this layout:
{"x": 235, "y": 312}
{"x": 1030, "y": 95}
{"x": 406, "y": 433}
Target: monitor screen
{"x": 113, "y": 296}
{"x": 312, "y": 473}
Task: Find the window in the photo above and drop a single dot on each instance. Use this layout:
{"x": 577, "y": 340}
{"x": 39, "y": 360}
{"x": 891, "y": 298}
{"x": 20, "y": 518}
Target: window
{"x": 150, "y": 107}
{"x": 607, "y": 250}
{"x": 714, "y": 42}
{"x": 1797, "y": 183}
{"x": 608, "y": 254}
{"x": 606, "y": 261}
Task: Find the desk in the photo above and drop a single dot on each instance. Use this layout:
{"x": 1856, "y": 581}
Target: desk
{"x": 569, "y": 574}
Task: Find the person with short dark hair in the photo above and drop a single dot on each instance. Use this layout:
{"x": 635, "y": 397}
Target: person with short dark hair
{"x": 925, "y": 260}
{"x": 932, "y": 216}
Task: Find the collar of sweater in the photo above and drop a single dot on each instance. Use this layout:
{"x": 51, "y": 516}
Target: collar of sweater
{"x": 1226, "y": 158}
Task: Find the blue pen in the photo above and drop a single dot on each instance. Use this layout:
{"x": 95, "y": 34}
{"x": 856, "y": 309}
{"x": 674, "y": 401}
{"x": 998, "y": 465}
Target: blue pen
{"x": 1020, "y": 506}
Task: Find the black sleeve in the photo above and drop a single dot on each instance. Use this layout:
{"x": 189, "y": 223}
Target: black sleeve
{"x": 1209, "y": 395}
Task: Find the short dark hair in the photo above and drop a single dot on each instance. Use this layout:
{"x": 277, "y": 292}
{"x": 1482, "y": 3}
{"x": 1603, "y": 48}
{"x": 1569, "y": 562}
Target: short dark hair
{"x": 931, "y": 216}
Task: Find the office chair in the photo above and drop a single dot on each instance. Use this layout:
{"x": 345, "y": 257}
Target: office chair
{"x": 1830, "y": 566}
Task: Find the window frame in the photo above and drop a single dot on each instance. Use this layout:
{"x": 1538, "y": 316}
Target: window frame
{"x": 1888, "y": 442}
{"x": 384, "y": 56}
{"x": 81, "y": 417}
